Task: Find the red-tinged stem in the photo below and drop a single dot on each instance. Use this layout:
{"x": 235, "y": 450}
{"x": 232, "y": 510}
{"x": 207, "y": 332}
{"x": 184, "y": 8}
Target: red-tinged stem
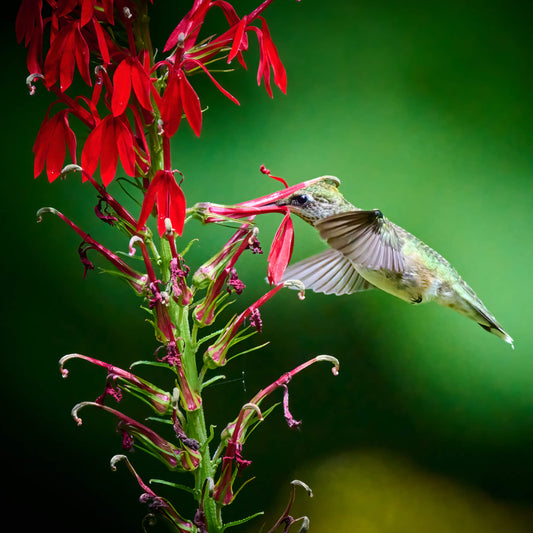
{"x": 147, "y": 262}
{"x": 167, "y": 165}
{"x": 259, "y": 9}
{"x": 83, "y": 115}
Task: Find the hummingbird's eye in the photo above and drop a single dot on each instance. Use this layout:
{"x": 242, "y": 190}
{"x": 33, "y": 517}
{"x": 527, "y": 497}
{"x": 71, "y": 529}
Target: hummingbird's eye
{"x": 300, "y": 199}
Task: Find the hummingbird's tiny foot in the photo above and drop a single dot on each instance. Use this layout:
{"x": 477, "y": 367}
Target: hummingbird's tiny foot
{"x": 416, "y": 300}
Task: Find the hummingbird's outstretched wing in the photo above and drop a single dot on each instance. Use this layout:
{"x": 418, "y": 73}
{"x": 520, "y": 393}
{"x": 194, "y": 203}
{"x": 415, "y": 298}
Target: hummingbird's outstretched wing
{"x": 366, "y": 237}
{"x": 329, "y": 272}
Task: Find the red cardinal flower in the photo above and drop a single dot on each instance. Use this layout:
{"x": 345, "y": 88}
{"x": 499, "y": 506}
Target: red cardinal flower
{"x": 269, "y": 59}
{"x": 190, "y": 103}
{"x": 50, "y": 144}
{"x": 130, "y": 74}
{"x": 68, "y": 50}
{"x": 170, "y": 104}
{"x": 170, "y": 200}
{"x": 281, "y": 250}
{"x": 111, "y": 138}
{"x": 29, "y": 27}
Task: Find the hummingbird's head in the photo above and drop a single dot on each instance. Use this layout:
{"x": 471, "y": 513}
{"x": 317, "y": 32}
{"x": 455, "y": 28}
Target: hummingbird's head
{"x": 317, "y": 201}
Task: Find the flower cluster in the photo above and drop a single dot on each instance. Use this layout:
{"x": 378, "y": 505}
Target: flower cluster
{"x": 132, "y": 107}
{"x": 130, "y": 93}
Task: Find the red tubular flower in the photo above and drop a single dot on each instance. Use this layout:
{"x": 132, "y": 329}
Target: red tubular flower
{"x": 164, "y": 192}
{"x": 68, "y": 50}
{"x": 130, "y": 74}
{"x": 281, "y": 250}
{"x": 190, "y": 103}
{"x": 189, "y": 26}
{"x": 170, "y": 104}
{"x": 112, "y": 138}
{"x": 87, "y": 10}
{"x": 270, "y": 59}
{"x": 29, "y": 27}
{"x": 50, "y": 143}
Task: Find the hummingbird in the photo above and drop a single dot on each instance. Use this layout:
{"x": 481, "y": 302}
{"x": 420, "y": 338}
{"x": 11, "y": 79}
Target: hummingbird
{"x": 368, "y": 251}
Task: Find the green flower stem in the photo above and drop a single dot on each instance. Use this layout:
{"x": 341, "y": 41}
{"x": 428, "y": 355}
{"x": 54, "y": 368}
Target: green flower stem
{"x": 196, "y": 426}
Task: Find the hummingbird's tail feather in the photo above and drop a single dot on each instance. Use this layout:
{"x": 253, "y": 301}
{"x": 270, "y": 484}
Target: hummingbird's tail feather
{"x": 329, "y": 272}
{"x": 490, "y": 324}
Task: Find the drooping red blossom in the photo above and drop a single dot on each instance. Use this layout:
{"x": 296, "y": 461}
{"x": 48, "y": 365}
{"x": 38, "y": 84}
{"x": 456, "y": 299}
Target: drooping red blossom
{"x": 68, "y": 51}
{"x": 269, "y": 59}
{"x": 87, "y": 10}
{"x": 170, "y": 104}
{"x": 190, "y": 103}
{"x": 166, "y": 194}
{"x": 50, "y": 145}
{"x": 186, "y": 32}
{"x": 180, "y": 98}
{"x": 29, "y": 22}
{"x": 112, "y": 138}
{"x": 130, "y": 74}
{"x": 281, "y": 250}
{"x": 29, "y": 27}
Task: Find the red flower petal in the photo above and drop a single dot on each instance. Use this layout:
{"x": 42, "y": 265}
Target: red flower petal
{"x": 238, "y": 39}
{"x": 170, "y": 106}
{"x": 92, "y": 148}
{"x": 149, "y": 200}
{"x": 219, "y": 87}
{"x": 40, "y": 147}
{"x": 108, "y": 156}
{"x": 191, "y": 104}
{"x": 170, "y": 204}
{"x": 82, "y": 56}
{"x": 141, "y": 84}
{"x": 280, "y": 75}
{"x": 56, "y": 151}
{"x": 28, "y": 24}
{"x": 170, "y": 200}
{"x": 102, "y": 43}
{"x": 87, "y": 10}
{"x": 53, "y": 58}
{"x": 189, "y": 26}
{"x": 229, "y": 11}
{"x": 125, "y": 145}
{"x": 281, "y": 250}
{"x": 49, "y": 146}
{"x": 121, "y": 87}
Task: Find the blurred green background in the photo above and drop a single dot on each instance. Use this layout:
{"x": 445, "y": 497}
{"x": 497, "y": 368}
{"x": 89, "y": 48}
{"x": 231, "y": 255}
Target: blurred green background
{"x": 423, "y": 110}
